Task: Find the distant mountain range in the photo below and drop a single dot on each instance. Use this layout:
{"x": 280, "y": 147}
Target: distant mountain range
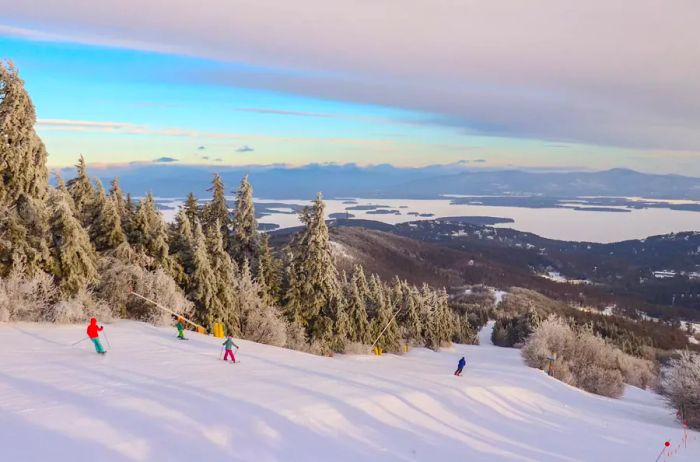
{"x": 335, "y": 181}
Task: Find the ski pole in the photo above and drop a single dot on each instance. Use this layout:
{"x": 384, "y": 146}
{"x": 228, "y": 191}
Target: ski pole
{"x": 109, "y": 345}
{"x": 75, "y": 343}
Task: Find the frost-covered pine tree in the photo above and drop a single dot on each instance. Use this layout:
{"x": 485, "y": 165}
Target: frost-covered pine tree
{"x": 413, "y": 326}
{"x": 217, "y": 209}
{"x": 106, "y": 231}
{"x": 224, "y": 307}
{"x": 22, "y": 153}
{"x": 192, "y": 209}
{"x": 182, "y": 245}
{"x": 24, "y": 236}
{"x": 82, "y": 192}
{"x": 116, "y": 193}
{"x": 150, "y": 236}
{"x": 23, "y": 180}
{"x": 74, "y": 262}
{"x": 341, "y": 324}
{"x": 376, "y": 298}
{"x": 96, "y": 205}
{"x": 356, "y": 309}
{"x": 314, "y": 285}
{"x": 358, "y": 275}
{"x": 269, "y": 271}
{"x": 202, "y": 280}
{"x": 244, "y": 244}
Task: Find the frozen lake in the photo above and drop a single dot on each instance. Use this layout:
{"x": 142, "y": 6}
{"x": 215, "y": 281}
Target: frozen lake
{"x": 554, "y": 223}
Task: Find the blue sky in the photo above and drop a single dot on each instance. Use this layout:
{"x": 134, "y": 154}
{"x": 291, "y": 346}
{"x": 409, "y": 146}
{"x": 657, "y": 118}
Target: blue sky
{"x": 263, "y": 88}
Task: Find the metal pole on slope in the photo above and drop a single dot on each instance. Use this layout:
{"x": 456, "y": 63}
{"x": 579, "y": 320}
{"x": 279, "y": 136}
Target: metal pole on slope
{"x": 166, "y": 309}
{"x": 384, "y": 330}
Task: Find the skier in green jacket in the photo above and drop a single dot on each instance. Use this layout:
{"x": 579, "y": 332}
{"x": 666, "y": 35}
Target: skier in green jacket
{"x": 229, "y": 344}
{"x": 180, "y": 329}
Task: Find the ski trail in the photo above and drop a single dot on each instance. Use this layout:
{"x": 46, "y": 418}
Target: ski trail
{"x": 154, "y": 397}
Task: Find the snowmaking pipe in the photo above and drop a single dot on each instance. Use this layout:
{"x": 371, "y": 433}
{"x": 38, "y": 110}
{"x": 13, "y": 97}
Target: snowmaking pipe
{"x": 384, "y": 330}
{"x": 166, "y": 309}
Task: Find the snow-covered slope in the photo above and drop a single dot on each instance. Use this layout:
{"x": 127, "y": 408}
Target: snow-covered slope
{"x": 154, "y": 398}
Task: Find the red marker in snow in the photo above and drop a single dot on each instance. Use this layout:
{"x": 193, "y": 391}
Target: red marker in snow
{"x": 666, "y": 444}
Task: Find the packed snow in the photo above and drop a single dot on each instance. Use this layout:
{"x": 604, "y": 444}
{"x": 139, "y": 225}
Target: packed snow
{"x": 155, "y": 398}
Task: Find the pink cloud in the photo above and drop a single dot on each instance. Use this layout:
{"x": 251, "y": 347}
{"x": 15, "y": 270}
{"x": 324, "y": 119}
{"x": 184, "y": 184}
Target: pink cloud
{"x": 614, "y": 72}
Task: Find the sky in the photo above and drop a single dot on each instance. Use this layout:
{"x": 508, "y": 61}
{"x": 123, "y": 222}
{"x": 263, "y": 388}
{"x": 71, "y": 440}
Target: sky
{"x": 552, "y": 84}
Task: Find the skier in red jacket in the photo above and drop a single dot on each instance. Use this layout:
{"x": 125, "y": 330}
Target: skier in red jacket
{"x": 93, "y": 332}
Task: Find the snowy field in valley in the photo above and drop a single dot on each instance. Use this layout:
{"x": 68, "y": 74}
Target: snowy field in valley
{"x": 154, "y": 398}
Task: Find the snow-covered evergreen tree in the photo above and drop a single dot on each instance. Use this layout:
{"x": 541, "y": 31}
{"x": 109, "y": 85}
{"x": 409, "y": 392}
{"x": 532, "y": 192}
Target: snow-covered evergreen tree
{"x": 182, "y": 245}
{"x": 314, "y": 283}
{"x": 82, "y": 192}
{"x": 22, "y": 153}
{"x": 202, "y": 281}
{"x": 150, "y": 236}
{"x": 74, "y": 262}
{"x": 268, "y": 274}
{"x": 224, "y": 307}
{"x": 192, "y": 209}
{"x": 216, "y": 211}
{"x": 116, "y": 193}
{"x": 23, "y": 180}
{"x": 244, "y": 245}
{"x": 24, "y": 236}
{"x": 342, "y": 326}
{"x": 106, "y": 231}
{"x": 413, "y": 326}
{"x": 356, "y": 309}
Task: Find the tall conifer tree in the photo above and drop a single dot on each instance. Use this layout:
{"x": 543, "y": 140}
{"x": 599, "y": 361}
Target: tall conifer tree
{"x": 22, "y": 153}
{"x": 192, "y": 209}
{"x": 23, "y": 179}
{"x": 202, "y": 281}
{"x": 356, "y": 309}
{"x": 216, "y": 211}
{"x": 268, "y": 271}
{"x": 82, "y": 192}
{"x": 314, "y": 285}
{"x": 182, "y": 245}
{"x": 106, "y": 231}
{"x": 74, "y": 259}
{"x": 244, "y": 245}
{"x": 224, "y": 307}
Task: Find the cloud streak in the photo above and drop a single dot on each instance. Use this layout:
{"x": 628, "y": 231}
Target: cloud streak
{"x": 126, "y": 128}
{"x": 609, "y": 72}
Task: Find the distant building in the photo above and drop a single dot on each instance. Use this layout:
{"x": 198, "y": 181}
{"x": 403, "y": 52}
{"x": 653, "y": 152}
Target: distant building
{"x": 664, "y": 274}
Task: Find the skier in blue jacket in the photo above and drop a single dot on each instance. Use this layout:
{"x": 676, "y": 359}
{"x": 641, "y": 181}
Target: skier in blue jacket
{"x": 460, "y": 365}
